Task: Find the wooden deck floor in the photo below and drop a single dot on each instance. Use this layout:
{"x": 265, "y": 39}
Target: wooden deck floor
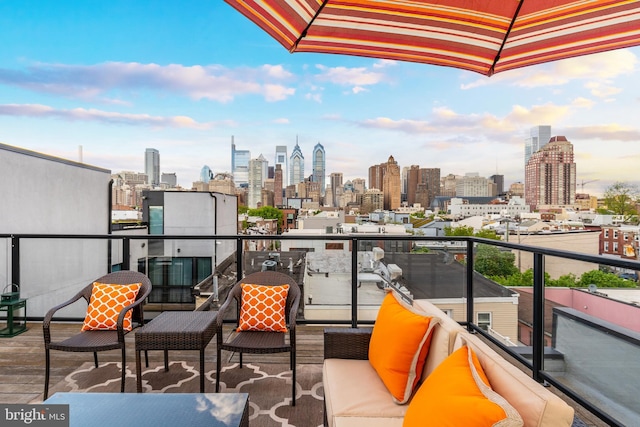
{"x": 22, "y": 358}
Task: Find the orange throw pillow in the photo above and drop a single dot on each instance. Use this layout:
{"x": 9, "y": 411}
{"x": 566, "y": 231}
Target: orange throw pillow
{"x": 458, "y": 393}
{"x": 263, "y": 308}
{"x": 399, "y": 345}
{"x": 106, "y": 303}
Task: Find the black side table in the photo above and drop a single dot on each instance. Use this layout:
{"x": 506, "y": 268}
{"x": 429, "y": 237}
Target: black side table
{"x": 176, "y": 330}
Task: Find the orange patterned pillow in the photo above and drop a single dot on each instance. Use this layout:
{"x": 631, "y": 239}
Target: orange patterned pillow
{"x": 458, "y": 393}
{"x": 399, "y": 346}
{"x": 106, "y": 303}
{"x": 263, "y": 308}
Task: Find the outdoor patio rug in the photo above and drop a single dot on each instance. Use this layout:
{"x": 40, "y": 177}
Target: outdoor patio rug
{"x": 268, "y": 385}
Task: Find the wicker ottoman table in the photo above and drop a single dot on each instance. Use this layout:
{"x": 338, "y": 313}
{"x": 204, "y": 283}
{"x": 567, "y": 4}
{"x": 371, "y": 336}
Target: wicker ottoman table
{"x": 175, "y": 330}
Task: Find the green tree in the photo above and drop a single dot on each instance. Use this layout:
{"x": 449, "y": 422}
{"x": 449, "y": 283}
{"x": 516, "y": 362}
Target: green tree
{"x": 268, "y": 212}
{"x": 243, "y": 209}
{"x": 466, "y": 230}
{"x": 487, "y": 234}
{"x": 566, "y": 281}
{"x": 463, "y": 230}
{"x": 621, "y": 198}
{"x": 602, "y": 279}
{"x": 490, "y": 261}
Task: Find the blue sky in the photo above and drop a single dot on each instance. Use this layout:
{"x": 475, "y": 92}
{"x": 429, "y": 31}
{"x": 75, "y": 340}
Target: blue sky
{"x": 184, "y": 76}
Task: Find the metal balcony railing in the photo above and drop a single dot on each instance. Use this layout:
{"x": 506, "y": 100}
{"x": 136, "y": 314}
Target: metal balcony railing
{"x": 23, "y": 250}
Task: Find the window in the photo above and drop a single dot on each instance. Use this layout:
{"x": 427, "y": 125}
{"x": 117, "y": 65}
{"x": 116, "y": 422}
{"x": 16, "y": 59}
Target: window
{"x": 156, "y": 220}
{"x": 334, "y": 245}
{"x": 606, "y": 233}
{"x": 615, "y": 234}
{"x": 606, "y": 246}
{"x": 625, "y": 236}
{"x": 484, "y": 321}
{"x": 615, "y": 247}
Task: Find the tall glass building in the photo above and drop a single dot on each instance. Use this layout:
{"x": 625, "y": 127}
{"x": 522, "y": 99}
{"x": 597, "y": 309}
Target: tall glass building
{"x": 319, "y": 166}
{"x": 282, "y": 160}
{"x": 152, "y": 165}
{"x": 205, "y": 174}
{"x": 240, "y": 165}
{"x": 538, "y": 137}
{"x": 257, "y": 177}
{"x": 296, "y": 166}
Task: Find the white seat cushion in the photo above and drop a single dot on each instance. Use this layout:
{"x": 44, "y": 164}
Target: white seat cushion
{"x": 355, "y": 395}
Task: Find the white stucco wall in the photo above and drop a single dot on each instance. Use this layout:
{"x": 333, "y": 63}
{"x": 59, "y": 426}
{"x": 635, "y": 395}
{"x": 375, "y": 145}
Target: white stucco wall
{"x": 200, "y": 213}
{"x": 44, "y": 194}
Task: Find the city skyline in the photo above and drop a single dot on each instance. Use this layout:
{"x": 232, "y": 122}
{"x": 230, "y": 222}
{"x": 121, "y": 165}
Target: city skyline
{"x": 184, "y": 80}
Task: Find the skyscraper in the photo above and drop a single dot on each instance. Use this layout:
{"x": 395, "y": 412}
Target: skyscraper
{"x": 473, "y": 185}
{"x": 412, "y": 184}
{"x": 282, "y": 160}
{"x": 376, "y": 174}
{"x": 277, "y": 185}
{"x": 257, "y": 177}
{"x": 296, "y": 166}
{"x": 550, "y": 175}
{"x": 319, "y": 166}
{"x": 170, "y": 179}
{"x": 428, "y": 186}
{"x": 336, "y": 188}
{"x": 205, "y": 174}
{"x": 538, "y": 137}
{"x": 359, "y": 185}
{"x": 240, "y": 165}
{"x": 499, "y": 181}
{"x": 152, "y": 165}
{"x": 391, "y": 185}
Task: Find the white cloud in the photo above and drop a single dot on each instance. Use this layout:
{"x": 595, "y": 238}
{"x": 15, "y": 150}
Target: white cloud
{"x": 108, "y": 117}
{"x": 601, "y": 90}
{"x": 349, "y": 76}
{"x": 281, "y": 121}
{"x": 277, "y": 71}
{"x": 212, "y": 82}
{"x": 274, "y": 93}
{"x": 581, "y": 102}
{"x": 383, "y": 63}
{"x": 600, "y": 67}
{"x": 317, "y": 97}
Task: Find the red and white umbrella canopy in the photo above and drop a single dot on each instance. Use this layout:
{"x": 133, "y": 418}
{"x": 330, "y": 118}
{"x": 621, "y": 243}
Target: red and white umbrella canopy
{"x": 485, "y": 36}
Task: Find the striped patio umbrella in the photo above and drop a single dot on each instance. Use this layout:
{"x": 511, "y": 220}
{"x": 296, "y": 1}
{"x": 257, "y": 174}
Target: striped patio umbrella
{"x": 485, "y": 36}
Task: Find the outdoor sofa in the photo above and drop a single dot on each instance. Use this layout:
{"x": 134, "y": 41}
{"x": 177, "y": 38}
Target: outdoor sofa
{"x": 355, "y": 395}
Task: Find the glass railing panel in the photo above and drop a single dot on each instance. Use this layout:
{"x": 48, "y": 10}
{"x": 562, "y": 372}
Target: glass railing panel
{"x": 175, "y": 266}
{"x": 5, "y": 262}
{"x": 592, "y": 335}
{"x": 494, "y": 303}
{"x": 68, "y": 264}
{"x": 325, "y": 279}
{"x": 436, "y": 271}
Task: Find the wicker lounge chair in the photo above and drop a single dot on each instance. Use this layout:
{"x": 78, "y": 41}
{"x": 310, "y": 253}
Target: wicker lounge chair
{"x": 97, "y": 340}
{"x": 260, "y": 342}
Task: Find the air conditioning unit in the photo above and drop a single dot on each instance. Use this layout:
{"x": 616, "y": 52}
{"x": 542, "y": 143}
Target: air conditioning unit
{"x": 269, "y": 265}
{"x": 395, "y": 272}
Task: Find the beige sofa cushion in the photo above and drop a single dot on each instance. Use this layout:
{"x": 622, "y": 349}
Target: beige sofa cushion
{"x": 355, "y": 395}
{"x": 537, "y": 406}
{"x": 444, "y": 335}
